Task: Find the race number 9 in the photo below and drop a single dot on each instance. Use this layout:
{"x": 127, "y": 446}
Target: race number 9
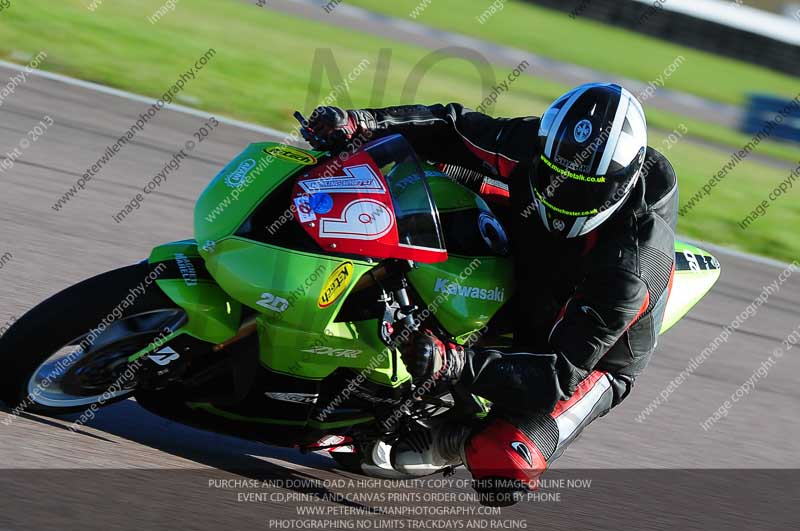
{"x": 362, "y": 219}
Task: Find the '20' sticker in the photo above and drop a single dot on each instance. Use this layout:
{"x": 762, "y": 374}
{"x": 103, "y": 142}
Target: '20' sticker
{"x": 272, "y": 302}
{"x": 362, "y": 219}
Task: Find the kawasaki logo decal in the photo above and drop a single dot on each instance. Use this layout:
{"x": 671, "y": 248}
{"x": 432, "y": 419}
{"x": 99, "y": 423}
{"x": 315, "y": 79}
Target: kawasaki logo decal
{"x": 470, "y": 292}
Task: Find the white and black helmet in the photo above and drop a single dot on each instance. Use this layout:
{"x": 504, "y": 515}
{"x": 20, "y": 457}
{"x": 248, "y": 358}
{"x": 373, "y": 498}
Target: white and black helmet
{"x": 592, "y": 142}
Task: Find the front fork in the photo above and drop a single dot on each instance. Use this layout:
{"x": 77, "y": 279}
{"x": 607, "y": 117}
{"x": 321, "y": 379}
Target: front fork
{"x": 398, "y": 324}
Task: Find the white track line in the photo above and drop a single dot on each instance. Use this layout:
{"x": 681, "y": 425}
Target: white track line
{"x": 281, "y": 134}
{"x": 143, "y": 99}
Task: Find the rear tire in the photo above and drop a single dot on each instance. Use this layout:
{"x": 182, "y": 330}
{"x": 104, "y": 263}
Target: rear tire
{"x": 34, "y": 341}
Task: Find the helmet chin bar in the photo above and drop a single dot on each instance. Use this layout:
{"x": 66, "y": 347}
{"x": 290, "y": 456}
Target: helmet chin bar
{"x": 587, "y": 224}
{"x": 595, "y": 221}
{"x": 579, "y": 226}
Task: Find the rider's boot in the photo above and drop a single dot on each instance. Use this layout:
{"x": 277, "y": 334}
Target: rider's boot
{"x": 509, "y": 453}
{"x": 429, "y": 451}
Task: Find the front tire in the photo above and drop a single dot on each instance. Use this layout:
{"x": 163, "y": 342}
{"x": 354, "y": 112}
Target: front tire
{"x": 70, "y": 351}
{"x": 374, "y": 463}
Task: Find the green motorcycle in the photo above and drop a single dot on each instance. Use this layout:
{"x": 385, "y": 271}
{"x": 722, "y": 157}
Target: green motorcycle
{"x": 281, "y": 321}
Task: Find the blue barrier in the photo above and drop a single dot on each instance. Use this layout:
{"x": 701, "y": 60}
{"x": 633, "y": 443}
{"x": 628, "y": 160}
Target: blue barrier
{"x": 762, "y": 109}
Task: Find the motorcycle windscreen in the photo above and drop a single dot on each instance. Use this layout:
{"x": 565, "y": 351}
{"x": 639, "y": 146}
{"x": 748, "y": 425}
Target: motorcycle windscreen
{"x": 374, "y": 203}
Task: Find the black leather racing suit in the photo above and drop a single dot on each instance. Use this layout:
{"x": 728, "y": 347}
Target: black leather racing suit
{"x": 597, "y": 301}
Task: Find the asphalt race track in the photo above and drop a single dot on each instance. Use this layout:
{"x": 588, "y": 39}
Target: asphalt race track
{"x": 659, "y": 472}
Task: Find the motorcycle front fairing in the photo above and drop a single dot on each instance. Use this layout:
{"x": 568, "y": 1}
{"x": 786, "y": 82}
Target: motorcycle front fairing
{"x": 375, "y": 205}
{"x": 352, "y": 210}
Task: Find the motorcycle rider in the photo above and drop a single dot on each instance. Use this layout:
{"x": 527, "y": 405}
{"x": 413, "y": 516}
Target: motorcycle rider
{"x": 595, "y": 211}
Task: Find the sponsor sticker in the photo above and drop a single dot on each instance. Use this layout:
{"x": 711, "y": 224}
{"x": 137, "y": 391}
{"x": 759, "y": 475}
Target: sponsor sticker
{"x": 321, "y": 203}
{"x": 334, "y": 352}
{"x": 360, "y": 179}
{"x": 493, "y": 233}
{"x": 336, "y": 284}
{"x": 237, "y": 178}
{"x": 304, "y": 210}
{"x": 689, "y": 261}
{"x": 273, "y": 302}
{"x": 164, "y": 357}
{"x": 187, "y": 269}
{"x": 298, "y": 398}
{"x": 291, "y": 154}
{"x": 333, "y": 440}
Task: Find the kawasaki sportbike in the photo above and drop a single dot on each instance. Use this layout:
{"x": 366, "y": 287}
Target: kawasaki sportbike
{"x": 280, "y": 321}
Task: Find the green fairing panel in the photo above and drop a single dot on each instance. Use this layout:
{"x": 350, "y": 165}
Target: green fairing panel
{"x": 210, "y": 408}
{"x": 241, "y": 186}
{"x": 696, "y": 271}
{"x": 464, "y": 292}
{"x": 213, "y": 315}
{"x": 297, "y": 335}
{"x": 167, "y": 251}
{"x": 261, "y": 276}
{"x": 314, "y": 356}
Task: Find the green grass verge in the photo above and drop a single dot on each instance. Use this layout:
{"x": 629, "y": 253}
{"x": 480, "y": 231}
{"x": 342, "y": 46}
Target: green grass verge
{"x": 595, "y": 45}
{"x": 717, "y": 216}
{"x": 261, "y": 73}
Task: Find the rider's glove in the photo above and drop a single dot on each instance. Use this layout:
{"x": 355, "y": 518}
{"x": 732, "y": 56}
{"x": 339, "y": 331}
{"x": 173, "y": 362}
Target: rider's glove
{"x": 428, "y": 358}
{"x": 331, "y": 127}
{"x": 569, "y": 375}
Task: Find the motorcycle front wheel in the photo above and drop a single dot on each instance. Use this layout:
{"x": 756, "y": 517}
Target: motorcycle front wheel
{"x": 71, "y": 351}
